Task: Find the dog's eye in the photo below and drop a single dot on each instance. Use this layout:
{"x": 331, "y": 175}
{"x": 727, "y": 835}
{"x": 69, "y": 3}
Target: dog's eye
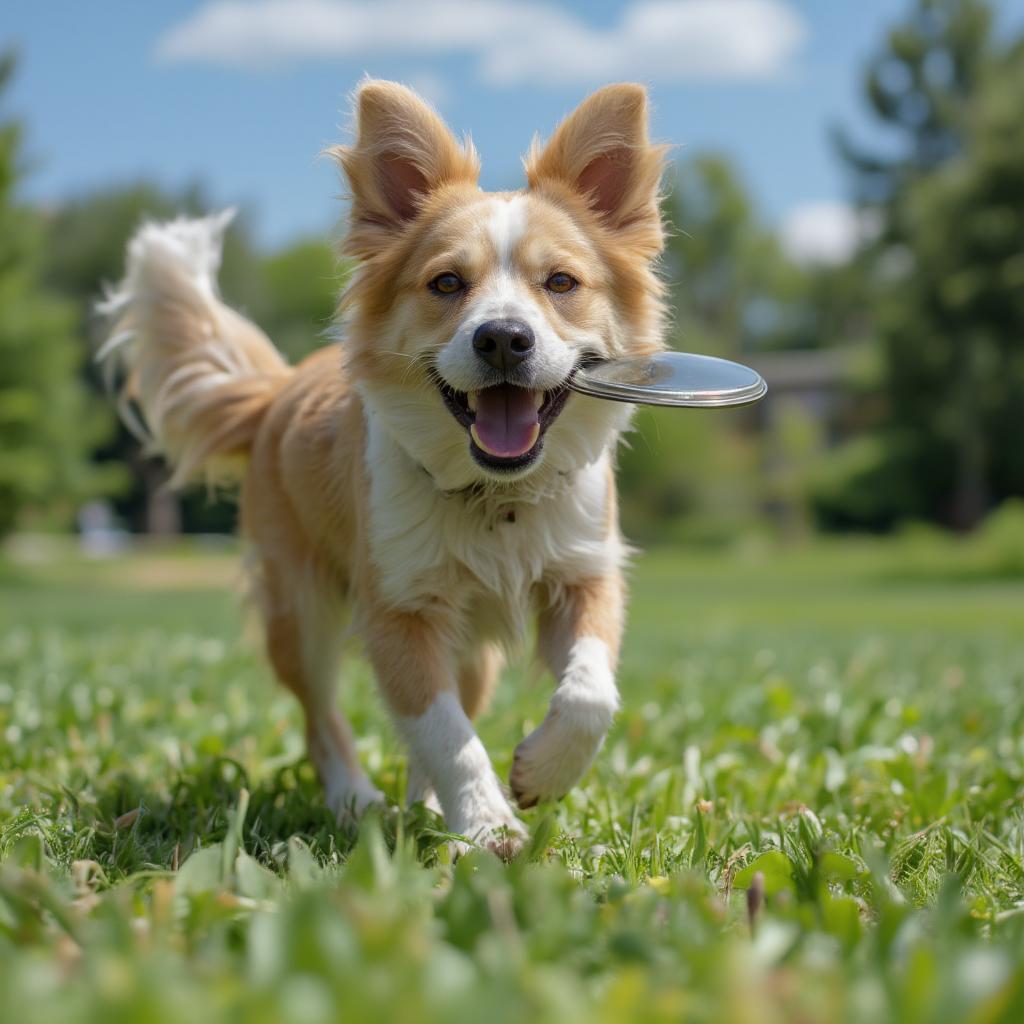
{"x": 560, "y": 283}
{"x": 447, "y": 284}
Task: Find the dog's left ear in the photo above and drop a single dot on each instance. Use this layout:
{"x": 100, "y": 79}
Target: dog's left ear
{"x": 602, "y": 151}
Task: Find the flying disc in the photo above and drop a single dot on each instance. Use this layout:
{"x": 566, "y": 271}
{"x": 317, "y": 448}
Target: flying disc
{"x": 671, "y": 378}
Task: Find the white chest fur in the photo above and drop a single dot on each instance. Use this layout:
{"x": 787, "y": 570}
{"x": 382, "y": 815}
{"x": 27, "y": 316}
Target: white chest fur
{"x": 495, "y": 545}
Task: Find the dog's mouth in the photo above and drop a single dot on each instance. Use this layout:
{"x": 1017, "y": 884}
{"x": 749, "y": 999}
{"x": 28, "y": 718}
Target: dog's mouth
{"x": 506, "y": 424}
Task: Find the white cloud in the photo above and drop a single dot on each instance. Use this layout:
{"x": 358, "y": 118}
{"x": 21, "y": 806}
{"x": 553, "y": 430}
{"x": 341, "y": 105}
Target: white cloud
{"x": 665, "y": 40}
{"x": 533, "y": 42}
{"x": 823, "y": 232}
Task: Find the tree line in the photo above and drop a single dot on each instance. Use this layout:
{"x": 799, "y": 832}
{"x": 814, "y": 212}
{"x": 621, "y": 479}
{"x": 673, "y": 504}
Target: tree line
{"x": 927, "y": 315}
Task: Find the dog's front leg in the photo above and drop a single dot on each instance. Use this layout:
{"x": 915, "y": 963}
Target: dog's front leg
{"x": 578, "y": 637}
{"x": 413, "y": 657}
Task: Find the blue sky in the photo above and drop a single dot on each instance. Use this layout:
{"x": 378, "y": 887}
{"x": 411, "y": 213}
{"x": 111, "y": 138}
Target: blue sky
{"x": 242, "y": 95}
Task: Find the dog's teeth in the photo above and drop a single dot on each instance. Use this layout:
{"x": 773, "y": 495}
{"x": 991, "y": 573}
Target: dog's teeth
{"x": 538, "y": 398}
{"x": 471, "y": 401}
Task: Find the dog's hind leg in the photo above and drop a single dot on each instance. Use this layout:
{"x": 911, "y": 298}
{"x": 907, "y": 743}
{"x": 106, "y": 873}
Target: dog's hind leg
{"x": 304, "y": 628}
{"x": 478, "y": 675}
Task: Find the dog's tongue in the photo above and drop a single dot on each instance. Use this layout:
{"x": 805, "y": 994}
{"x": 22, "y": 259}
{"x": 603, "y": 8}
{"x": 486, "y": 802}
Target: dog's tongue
{"x": 506, "y": 423}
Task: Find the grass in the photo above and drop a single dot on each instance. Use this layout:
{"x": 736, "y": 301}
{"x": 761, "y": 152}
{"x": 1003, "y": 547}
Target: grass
{"x": 846, "y": 738}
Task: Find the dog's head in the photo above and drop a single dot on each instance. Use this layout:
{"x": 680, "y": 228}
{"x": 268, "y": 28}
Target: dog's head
{"x": 470, "y": 310}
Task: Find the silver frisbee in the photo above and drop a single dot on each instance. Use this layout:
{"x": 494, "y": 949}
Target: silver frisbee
{"x": 671, "y": 378}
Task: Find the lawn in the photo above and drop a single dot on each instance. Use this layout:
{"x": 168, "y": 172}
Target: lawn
{"x": 841, "y": 727}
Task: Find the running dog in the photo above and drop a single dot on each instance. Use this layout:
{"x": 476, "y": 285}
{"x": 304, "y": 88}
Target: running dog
{"x": 429, "y": 483}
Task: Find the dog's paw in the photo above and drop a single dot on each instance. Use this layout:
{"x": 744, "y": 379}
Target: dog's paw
{"x": 486, "y": 820}
{"x": 552, "y": 759}
{"x": 506, "y": 844}
{"x": 504, "y": 840}
{"x": 555, "y": 756}
{"x": 350, "y": 802}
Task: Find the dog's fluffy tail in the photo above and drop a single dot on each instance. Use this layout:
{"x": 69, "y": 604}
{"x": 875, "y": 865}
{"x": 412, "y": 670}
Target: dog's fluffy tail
{"x": 201, "y": 375}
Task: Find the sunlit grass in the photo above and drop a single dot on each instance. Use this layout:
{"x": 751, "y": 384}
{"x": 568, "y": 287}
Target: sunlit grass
{"x": 853, "y": 734}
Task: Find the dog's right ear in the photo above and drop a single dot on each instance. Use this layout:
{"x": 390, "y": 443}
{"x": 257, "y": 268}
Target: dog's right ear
{"x": 403, "y": 151}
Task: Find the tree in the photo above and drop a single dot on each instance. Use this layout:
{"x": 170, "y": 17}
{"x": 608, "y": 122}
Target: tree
{"x": 954, "y": 328}
{"x": 299, "y": 296}
{"x": 919, "y": 86}
{"x": 89, "y": 234}
{"x": 734, "y": 289}
{"x": 726, "y": 268}
{"x": 948, "y": 272}
{"x": 47, "y": 422}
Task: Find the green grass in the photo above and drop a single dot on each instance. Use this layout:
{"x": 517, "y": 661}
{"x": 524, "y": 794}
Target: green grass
{"x": 852, "y": 731}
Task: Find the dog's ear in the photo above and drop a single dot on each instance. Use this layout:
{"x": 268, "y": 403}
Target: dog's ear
{"x": 602, "y": 151}
{"x": 402, "y": 152}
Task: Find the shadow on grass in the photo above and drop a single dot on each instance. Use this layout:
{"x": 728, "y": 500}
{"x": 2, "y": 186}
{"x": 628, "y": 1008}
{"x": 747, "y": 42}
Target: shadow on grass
{"x": 128, "y": 828}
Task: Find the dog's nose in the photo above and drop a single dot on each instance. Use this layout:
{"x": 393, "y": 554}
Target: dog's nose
{"x": 503, "y": 343}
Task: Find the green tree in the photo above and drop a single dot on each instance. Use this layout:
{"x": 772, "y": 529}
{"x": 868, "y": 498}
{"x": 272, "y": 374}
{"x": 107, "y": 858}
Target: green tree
{"x": 948, "y": 273}
{"x": 731, "y": 285}
{"x": 919, "y": 86}
{"x": 734, "y": 289}
{"x": 47, "y": 422}
{"x": 89, "y": 234}
{"x": 954, "y": 327}
{"x": 299, "y": 295}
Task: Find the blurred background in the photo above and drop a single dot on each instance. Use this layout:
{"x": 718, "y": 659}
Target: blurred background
{"x": 847, "y": 202}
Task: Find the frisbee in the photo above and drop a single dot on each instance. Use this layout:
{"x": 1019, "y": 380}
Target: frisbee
{"x": 671, "y": 378}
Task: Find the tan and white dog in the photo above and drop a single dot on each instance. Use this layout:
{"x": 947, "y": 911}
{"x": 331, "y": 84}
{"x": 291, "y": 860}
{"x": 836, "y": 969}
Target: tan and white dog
{"x": 431, "y": 481}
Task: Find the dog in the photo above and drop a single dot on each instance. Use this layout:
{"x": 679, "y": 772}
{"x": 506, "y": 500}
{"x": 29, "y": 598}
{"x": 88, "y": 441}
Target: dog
{"x": 430, "y": 482}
